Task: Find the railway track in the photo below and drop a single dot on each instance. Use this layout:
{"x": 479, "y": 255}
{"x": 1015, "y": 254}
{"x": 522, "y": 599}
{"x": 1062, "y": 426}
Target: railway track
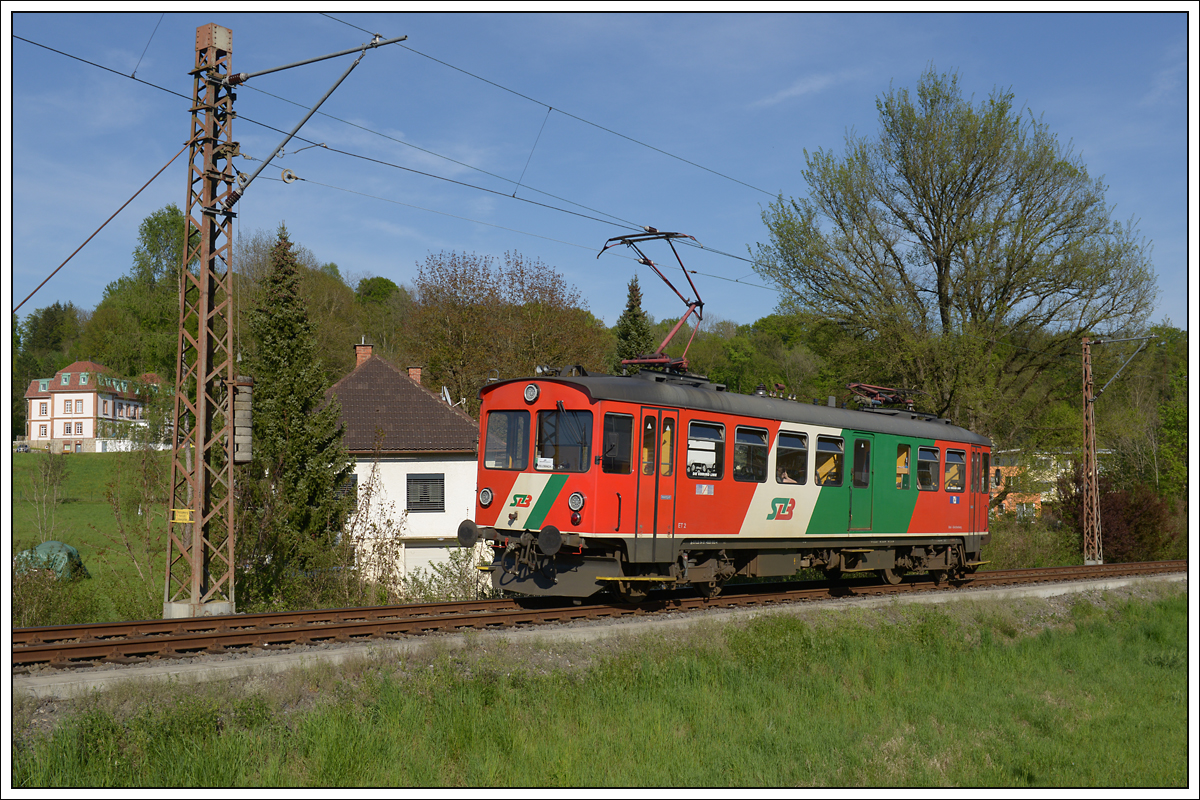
{"x": 67, "y": 646}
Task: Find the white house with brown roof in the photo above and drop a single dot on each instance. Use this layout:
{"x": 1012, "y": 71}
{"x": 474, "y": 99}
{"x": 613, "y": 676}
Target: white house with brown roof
{"x": 423, "y": 450}
{"x": 84, "y": 409}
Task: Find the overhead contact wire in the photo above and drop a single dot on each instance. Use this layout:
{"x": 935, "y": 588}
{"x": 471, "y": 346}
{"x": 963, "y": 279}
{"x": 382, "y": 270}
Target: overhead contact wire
{"x": 110, "y": 219}
{"x": 564, "y": 113}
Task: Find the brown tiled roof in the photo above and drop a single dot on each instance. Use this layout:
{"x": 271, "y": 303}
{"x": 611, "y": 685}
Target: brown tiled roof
{"x": 412, "y": 419}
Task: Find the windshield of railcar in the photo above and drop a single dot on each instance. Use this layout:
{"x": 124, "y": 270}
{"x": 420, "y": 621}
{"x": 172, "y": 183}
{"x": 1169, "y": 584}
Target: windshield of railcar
{"x": 507, "y": 440}
{"x": 564, "y": 441}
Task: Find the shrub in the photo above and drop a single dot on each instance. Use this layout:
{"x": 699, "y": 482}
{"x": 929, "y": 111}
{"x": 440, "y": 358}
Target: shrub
{"x": 1031, "y": 542}
{"x": 39, "y": 598}
{"x": 1136, "y": 523}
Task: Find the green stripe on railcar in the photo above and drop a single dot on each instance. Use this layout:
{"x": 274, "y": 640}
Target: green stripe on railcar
{"x": 882, "y": 506}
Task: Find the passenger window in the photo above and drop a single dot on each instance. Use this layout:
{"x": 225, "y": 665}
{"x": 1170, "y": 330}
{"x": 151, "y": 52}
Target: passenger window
{"x": 507, "y": 444}
{"x": 956, "y": 470}
{"x": 903, "y": 452}
{"x": 648, "y": 445}
{"x": 861, "y": 475}
{"x": 564, "y": 441}
{"x": 706, "y": 450}
{"x": 791, "y": 458}
{"x": 983, "y": 476}
{"x": 830, "y": 455}
{"x": 928, "y": 468}
{"x": 750, "y": 455}
{"x": 666, "y": 453}
{"x": 618, "y": 444}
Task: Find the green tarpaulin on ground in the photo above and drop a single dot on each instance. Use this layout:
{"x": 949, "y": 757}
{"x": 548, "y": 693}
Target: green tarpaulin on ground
{"x": 58, "y": 556}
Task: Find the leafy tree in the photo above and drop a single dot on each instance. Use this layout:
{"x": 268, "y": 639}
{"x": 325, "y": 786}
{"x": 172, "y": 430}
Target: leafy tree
{"x": 291, "y": 512}
{"x": 1173, "y": 413}
{"x": 476, "y": 319}
{"x": 375, "y": 290}
{"x": 45, "y": 342}
{"x": 633, "y": 328}
{"x": 965, "y": 248}
{"x": 135, "y": 328}
{"x": 383, "y": 316}
{"x": 332, "y": 310}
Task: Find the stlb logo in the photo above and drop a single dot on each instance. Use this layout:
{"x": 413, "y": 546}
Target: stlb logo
{"x": 521, "y": 500}
{"x": 782, "y": 508}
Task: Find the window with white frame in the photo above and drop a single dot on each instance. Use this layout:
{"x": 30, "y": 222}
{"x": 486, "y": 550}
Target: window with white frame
{"x": 42, "y": 431}
{"x": 66, "y": 406}
{"x": 66, "y": 429}
{"x": 78, "y": 406}
{"x": 43, "y": 409}
{"x": 79, "y": 429}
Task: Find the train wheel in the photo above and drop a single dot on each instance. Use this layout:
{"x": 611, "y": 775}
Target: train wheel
{"x": 940, "y": 576}
{"x": 708, "y": 590}
{"x": 888, "y": 576}
{"x": 632, "y": 593}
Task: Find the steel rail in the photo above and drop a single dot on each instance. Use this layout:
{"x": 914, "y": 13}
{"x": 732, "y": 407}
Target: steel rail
{"x": 83, "y": 645}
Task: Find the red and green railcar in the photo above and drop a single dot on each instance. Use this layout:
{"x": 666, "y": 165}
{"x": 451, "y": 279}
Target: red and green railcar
{"x": 589, "y": 483}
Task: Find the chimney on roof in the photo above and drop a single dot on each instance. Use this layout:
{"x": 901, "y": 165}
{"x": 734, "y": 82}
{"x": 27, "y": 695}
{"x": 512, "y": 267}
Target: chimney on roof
{"x": 415, "y": 374}
{"x": 361, "y": 352}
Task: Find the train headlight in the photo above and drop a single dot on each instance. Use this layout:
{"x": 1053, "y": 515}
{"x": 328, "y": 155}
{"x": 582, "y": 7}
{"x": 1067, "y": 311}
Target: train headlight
{"x": 485, "y": 497}
{"x": 575, "y": 501}
{"x": 531, "y": 393}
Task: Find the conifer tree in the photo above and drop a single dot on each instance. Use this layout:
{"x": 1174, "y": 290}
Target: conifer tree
{"x": 291, "y": 513}
{"x": 634, "y": 337}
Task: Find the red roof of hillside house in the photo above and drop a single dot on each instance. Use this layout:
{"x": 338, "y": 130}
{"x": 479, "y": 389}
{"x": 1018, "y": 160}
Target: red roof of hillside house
{"x": 378, "y": 397}
{"x": 99, "y": 379}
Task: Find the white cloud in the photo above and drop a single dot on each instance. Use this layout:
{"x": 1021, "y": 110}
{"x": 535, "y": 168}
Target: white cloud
{"x": 1168, "y": 81}
{"x": 808, "y": 84}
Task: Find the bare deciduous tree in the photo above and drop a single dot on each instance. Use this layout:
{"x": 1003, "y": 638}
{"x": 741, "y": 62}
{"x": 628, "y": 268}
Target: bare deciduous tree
{"x": 44, "y": 491}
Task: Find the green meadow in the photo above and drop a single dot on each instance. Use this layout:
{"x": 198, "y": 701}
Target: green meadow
{"x": 1025, "y": 693}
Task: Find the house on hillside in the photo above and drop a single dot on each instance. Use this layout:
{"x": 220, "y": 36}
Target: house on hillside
{"x": 1027, "y": 481}
{"x": 422, "y": 448}
{"x": 85, "y": 408}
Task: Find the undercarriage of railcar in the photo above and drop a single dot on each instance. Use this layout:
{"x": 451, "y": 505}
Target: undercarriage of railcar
{"x": 551, "y": 563}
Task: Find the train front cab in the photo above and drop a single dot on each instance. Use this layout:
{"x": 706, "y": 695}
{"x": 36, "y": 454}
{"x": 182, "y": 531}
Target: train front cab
{"x": 538, "y": 472}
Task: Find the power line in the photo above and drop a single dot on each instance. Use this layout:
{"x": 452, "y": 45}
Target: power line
{"x": 567, "y": 114}
{"x": 443, "y": 157}
{"x": 631, "y": 225}
{"x": 110, "y": 219}
{"x": 148, "y": 41}
{"x": 589, "y": 248}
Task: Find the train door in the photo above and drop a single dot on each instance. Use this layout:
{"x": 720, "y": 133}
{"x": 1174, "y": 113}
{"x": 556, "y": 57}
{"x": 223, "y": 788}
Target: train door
{"x": 979, "y": 495}
{"x": 861, "y": 503}
{"x": 656, "y": 472}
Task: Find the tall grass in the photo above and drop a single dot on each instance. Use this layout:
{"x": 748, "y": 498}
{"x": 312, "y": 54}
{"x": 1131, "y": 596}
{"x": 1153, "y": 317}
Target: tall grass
{"x": 1031, "y": 542}
{"x": 917, "y": 696}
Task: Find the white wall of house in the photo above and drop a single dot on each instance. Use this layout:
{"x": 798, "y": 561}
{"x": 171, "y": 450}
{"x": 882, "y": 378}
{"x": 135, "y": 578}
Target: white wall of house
{"x": 73, "y": 415}
{"x": 426, "y": 535}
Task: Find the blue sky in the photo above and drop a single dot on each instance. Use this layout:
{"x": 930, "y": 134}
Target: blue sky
{"x": 739, "y": 96}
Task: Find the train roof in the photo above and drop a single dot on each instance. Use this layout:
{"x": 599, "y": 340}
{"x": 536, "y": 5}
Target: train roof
{"x": 699, "y": 394}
